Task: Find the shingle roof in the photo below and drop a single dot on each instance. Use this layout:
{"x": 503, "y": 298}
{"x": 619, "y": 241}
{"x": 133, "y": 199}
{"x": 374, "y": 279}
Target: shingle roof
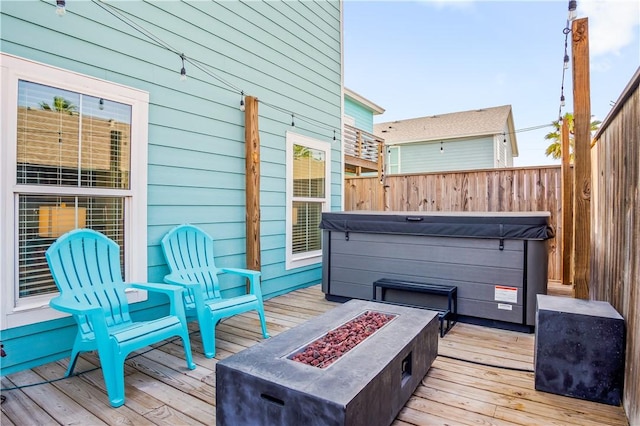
{"x": 486, "y": 121}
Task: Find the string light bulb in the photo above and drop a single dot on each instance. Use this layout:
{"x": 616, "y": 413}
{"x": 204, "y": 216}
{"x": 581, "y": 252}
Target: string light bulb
{"x": 562, "y": 103}
{"x": 242, "y": 100}
{"x": 61, "y": 7}
{"x": 566, "y": 61}
{"x": 441, "y": 147}
{"x": 293, "y": 123}
{"x": 573, "y": 4}
{"x": 101, "y": 104}
{"x": 183, "y": 71}
{"x": 334, "y": 134}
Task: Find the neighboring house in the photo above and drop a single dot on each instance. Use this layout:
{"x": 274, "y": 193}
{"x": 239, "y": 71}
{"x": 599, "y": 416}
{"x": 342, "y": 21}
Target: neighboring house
{"x": 362, "y": 148}
{"x": 477, "y": 139}
{"x": 359, "y": 111}
{"x": 99, "y": 131}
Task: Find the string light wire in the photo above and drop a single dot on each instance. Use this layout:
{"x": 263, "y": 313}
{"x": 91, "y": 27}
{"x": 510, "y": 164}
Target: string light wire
{"x": 200, "y": 65}
{"x": 565, "y": 60}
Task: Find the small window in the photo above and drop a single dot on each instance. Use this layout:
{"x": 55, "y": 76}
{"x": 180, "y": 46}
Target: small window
{"x": 308, "y": 196}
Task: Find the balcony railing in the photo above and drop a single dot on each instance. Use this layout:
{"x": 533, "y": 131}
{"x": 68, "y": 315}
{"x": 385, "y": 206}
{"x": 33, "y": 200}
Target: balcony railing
{"x": 363, "y": 151}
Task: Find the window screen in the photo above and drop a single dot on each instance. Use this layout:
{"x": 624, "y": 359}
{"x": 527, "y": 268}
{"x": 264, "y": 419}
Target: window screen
{"x": 308, "y": 198}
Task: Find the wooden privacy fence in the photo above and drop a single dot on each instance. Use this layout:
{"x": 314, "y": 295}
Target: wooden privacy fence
{"x": 495, "y": 190}
{"x": 615, "y": 230}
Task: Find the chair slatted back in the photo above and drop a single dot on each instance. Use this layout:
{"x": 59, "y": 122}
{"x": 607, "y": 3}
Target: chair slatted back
{"x": 85, "y": 265}
{"x": 189, "y": 252}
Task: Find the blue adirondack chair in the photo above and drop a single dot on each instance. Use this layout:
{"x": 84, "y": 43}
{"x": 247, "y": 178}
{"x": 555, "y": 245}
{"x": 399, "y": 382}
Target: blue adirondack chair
{"x": 189, "y": 254}
{"x": 85, "y": 266}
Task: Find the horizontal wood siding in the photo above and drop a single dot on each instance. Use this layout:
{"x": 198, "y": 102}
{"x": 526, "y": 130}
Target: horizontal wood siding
{"x": 459, "y": 154}
{"x": 287, "y": 54}
{"x": 498, "y": 190}
{"x": 615, "y": 237}
{"x": 362, "y": 115}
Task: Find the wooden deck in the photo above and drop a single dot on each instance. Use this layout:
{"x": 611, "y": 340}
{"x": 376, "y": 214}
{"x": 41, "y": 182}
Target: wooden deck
{"x": 459, "y": 389}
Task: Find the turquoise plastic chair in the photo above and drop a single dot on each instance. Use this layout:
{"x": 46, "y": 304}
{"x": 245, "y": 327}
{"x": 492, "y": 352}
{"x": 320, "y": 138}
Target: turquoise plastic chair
{"x": 189, "y": 254}
{"x": 85, "y": 266}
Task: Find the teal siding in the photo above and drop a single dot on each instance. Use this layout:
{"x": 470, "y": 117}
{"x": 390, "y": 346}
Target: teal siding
{"x": 457, "y": 154}
{"x": 363, "y": 116}
{"x": 287, "y": 54}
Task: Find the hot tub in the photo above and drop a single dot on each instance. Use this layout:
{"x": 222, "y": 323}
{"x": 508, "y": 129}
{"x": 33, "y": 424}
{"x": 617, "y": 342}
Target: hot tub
{"x": 498, "y": 261}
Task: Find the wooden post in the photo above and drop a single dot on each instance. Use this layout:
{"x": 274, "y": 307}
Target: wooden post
{"x": 582, "y": 156}
{"x": 567, "y": 206}
{"x": 381, "y": 178}
{"x": 252, "y": 178}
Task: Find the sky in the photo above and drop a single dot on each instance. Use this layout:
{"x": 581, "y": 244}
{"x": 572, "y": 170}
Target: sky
{"x": 420, "y": 58}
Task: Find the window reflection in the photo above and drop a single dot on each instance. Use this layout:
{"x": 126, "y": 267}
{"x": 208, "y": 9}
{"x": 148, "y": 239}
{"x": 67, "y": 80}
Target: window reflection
{"x": 71, "y": 139}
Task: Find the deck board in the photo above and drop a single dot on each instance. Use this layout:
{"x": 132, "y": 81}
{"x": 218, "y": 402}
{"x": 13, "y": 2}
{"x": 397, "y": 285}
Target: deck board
{"x": 481, "y": 376}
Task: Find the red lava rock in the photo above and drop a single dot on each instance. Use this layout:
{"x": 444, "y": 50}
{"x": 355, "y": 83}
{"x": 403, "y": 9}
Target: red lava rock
{"x": 327, "y": 349}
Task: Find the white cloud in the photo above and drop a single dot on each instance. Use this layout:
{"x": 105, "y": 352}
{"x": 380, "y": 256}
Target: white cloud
{"x": 613, "y": 24}
{"x": 602, "y": 65}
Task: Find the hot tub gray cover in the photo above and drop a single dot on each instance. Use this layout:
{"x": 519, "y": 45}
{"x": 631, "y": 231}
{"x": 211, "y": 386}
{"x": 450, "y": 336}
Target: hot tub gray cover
{"x": 483, "y": 225}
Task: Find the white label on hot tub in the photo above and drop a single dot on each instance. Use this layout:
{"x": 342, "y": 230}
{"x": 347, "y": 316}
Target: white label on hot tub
{"x": 506, "y": 294}
{"x": 504, "y": 306}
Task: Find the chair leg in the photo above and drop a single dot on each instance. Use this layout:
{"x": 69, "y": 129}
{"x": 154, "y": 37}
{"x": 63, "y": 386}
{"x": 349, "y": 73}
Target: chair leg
{"x": 187, "y": 350}
{"x": 75, "y": 352}
{"x": 208, "y": 335}
{"x": 79, "y": 346}
{"x": 113, "y": 373}
{"x": 263, "y": 322}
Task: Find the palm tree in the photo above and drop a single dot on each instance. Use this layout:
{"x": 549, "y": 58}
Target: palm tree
{"x": 555, "y": 148}
{"x": 60, "y": 104}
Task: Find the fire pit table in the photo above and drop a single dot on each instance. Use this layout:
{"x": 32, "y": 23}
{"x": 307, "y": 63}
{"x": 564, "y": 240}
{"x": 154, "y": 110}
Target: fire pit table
{"x": 272, "y": 384}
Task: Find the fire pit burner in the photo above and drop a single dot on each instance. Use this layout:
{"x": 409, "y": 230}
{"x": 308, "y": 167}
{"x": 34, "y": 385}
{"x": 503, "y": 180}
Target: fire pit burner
{"x": 327, "y": 349}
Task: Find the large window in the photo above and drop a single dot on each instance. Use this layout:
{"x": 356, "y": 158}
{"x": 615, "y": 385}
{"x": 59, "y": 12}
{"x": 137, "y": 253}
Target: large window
{"x": 308, "y": 195}
{"x": 73, "y": 156}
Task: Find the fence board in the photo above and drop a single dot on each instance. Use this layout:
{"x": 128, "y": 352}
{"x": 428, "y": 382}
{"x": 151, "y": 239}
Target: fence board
{"x": 615, "y": 231}
{"x": 495, "y": 190}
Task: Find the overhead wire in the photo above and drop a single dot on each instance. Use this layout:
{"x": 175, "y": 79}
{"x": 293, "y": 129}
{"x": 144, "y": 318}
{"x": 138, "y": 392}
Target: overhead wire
{"x": 201, "y": 65}
{"x": 565, "y": 59}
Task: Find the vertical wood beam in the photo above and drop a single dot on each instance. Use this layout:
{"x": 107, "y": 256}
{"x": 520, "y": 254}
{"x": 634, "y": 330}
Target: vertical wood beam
{"x": 582, "y": 156}
{"x": 567, "y": 206}
{"x": 252, "y": 179}
{"x": 381, "y": 178}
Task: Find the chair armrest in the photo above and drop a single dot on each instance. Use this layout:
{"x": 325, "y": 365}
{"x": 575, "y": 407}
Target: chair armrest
{"x": 173, "y": 291}
{"x": 181, "y": 280}
{"x": 159, "y": 287}
{"x": 244, "y": 272}
{"x": 94, "y": 314}
{"x": 72, "y": 306}
{"x": 253, "y": 276}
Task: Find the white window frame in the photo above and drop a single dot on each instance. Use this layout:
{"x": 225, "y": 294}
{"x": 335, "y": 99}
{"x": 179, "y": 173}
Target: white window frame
{"x": 303, "y": 259}
{"x": 18, "y": 312}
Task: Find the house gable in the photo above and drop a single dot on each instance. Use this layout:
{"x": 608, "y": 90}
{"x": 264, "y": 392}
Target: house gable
{"x": 361, "y": 109}
{"x": 483, "y": 138}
